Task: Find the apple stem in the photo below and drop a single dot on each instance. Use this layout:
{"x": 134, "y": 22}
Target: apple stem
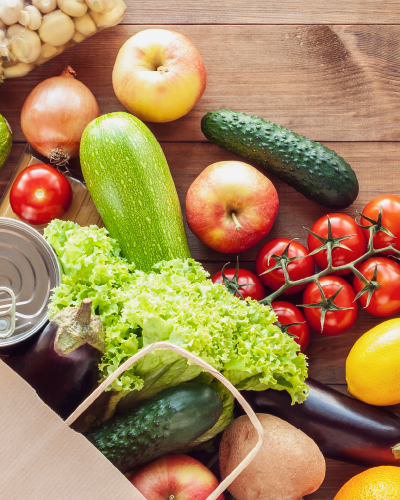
{"x": 162, "y": 69}
{"x": 237, "y": 224}
{"x": 171, "y": 497}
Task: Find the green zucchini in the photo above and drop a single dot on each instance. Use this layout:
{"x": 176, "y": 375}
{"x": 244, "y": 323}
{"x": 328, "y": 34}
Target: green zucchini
{"x": 5, "y": 140}
{"x": 311, "y": 168}
{"x": 162, "y": 424}
{"x": 129, "y": 180}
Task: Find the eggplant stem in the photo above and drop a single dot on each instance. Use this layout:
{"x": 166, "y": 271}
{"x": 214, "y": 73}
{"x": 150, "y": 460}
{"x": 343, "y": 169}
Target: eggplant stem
{"x": 84, "y": 313}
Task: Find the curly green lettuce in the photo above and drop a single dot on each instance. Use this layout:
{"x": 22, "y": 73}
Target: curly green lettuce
{"x": 177, "y": 302}
{"x": 91, "y": 267}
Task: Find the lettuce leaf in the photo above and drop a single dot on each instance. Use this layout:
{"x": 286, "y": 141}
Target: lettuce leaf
{"x": 176, "y": 302}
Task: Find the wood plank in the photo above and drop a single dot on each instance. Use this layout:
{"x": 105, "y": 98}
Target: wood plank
{"x": 262, "y": 12}
{"x": 337, "y": 474}
{"x": 330, "y": 83}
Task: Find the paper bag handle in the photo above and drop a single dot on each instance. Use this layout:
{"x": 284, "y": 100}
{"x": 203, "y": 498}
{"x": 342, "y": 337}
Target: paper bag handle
{"x": 198, "y": 361}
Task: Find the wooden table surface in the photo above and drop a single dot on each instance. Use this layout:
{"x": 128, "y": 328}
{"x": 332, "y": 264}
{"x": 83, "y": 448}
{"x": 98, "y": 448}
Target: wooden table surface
{"x": 328, "y": 70}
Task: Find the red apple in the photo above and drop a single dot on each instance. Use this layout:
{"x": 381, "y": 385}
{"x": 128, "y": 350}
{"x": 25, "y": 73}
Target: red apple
{"x": 175, "y": 477}
{"x": 159, "y": 75}
{"x": 231, "y": 206}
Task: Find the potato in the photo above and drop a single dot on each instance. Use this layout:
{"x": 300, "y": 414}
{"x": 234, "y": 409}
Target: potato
{"x": 288, "y": 465}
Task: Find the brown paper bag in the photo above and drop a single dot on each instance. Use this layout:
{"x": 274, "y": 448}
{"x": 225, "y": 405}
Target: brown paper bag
{"x": 41, "y": 458}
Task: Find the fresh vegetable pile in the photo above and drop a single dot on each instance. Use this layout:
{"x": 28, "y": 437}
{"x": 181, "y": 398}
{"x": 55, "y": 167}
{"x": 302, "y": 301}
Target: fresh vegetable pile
{"x": 174, "y": 302}
{"x": 134, "y": 283}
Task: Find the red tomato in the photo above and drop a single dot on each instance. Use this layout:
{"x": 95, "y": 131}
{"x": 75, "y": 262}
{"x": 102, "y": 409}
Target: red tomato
{"x": 298, "y": 269}
{"x": 336, "y": 322}
{"x": 255, "y": 290}
{"x": 390, "y": 220}
{"x": 342, "y": 225}
{"x": 385, "y": 301}
{"x": 40, "y": 194}
{"x": 288, "y": 313}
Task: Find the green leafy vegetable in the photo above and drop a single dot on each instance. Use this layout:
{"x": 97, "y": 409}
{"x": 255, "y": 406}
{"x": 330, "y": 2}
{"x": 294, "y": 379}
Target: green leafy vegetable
{"x": 176, "y": 302}
{"x": 91, "y": 267}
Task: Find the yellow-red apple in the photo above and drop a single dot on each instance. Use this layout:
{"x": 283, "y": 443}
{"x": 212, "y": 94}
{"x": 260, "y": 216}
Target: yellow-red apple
{"x": 159, "y": 75}
{"x": 175, "y": 477}
{"x": 231, "y": 206}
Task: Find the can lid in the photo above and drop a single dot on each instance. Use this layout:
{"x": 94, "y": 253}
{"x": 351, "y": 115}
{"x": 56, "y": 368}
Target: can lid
{"x": 29, "y": 270}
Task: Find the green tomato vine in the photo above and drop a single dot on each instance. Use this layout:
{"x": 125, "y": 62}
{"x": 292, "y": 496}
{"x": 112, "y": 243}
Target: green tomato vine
{"x": 326, "y": 304}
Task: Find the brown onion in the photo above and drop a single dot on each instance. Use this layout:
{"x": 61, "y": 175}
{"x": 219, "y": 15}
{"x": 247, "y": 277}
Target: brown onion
{"x": 55, "y": 114}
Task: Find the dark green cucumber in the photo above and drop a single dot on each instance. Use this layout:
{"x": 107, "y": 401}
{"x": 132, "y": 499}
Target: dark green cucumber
{"x": 162, "y": 424}
{"x": 314, "y": 170}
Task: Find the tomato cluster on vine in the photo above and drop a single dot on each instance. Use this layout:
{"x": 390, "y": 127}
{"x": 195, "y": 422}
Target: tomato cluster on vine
{"x": 338, "y": 246}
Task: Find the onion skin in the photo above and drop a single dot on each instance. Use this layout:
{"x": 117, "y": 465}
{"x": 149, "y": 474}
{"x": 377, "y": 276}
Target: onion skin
{"x": 56, "y": 113}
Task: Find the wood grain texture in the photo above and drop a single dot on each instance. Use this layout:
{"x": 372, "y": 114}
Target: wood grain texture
{"x": 337, "y": 474}
{"x": 330, "y": 83}
{"x": 262, "y": 12}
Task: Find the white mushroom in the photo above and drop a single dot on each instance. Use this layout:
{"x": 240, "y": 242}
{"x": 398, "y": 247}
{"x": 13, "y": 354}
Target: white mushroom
{"x": 45, "y": 6}
{"x": 102, "y": 6}
{"x": 35, "y": 17}
{"x": 110, "y": 19}
{"x": 24, "y": 18}
{"x": 10, "y": 11}
{"x": 2, "y": 35}
{"x": 85, "y": 25}
{"x": 74, "y": 8}
{"x": 57, "y": 28}
{"x": 78, "y": 37}
{"x": 4, "y": 43}
{"x": 30, "y": 17}
{"x": 2, "y": 26}
{"x": 20, "y": 69}
{"x": 14, "y": 30}
{"x": 25, "y": 43}
{"x": 47, "y": 52}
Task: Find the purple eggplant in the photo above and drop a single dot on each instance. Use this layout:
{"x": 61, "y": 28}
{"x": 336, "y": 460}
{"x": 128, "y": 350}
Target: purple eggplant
{"x": 62, "y": 364}
{"x": 344, "y": 428}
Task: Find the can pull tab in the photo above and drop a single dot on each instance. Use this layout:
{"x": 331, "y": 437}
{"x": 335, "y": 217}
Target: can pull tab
{"x": 7, "y": 318}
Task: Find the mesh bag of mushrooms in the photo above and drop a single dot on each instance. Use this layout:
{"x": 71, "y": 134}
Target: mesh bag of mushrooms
{"x": 33, "y": 32}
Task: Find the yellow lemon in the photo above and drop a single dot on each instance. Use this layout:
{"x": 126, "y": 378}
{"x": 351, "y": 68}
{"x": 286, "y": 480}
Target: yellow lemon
{"x": 373, "y": 365}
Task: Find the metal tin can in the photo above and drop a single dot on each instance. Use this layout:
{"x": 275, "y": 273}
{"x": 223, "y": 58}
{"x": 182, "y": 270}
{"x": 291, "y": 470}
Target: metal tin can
{"x": 29, "y": 270}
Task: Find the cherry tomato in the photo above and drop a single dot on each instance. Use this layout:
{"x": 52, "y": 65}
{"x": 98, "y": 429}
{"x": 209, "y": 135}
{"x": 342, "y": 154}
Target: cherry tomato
{"x": 255, "y": 290}
{"x": 336, "y": 322}
{"x": 298, "y": 269}
{"x": 40, "y": 194}
{"x": 390, "y": 220}
{"x": 385, "y": 301}
{"x": 288, "y": 313}
{"x": 342, "y": 225}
